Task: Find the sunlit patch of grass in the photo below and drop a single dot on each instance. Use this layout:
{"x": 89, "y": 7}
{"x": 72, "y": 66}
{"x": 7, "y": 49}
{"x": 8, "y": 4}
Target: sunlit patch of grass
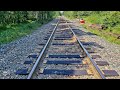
{"x": 105, "y": 34}
{"x": 17, "y": 31}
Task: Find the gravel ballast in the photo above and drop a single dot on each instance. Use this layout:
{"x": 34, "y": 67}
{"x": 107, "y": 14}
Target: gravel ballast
{"x": 13, "y": 55}
{"x": 62, "y": 50}
{"x": 108, "y": 51}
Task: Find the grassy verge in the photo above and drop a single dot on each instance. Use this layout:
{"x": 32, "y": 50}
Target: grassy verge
{"x": 105, "y": 33}
{"x": 17, "y": 31}
{"x": 111, "y": 19}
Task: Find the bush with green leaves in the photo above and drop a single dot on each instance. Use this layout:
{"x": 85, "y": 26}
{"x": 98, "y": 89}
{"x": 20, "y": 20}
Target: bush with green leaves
{"x": 9, "y": 18}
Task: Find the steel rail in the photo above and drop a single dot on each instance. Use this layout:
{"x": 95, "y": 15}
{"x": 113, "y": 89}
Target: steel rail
{"x": 41, "y": 54}
{"x": 88, "y": 55}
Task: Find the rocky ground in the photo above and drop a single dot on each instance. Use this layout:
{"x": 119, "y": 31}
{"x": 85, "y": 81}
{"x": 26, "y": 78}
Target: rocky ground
{"x": 108, "y": 51}
{"x": 14, "y": 54}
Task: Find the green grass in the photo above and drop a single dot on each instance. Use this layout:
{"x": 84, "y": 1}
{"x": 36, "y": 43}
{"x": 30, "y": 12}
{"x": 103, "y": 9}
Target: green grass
{"x": 17, "y": 31}
{"x": 105, "y": 34}
{"x": 110, "y": 19}
{"x": 94, "y": 19}
{"x": 116, "y": 29}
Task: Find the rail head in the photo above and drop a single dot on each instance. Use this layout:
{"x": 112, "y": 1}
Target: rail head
{"x": 88, "y": 55}
{"x": 41, "y": 54}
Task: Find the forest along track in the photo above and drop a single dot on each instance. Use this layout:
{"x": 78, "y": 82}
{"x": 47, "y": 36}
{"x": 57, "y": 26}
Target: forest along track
{"x": 64, "y": 57}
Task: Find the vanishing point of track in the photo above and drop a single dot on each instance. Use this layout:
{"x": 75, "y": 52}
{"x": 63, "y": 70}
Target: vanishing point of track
{"x": 94, "y": 67}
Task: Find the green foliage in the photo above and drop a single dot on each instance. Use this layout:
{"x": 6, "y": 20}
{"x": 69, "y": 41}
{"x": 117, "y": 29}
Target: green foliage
{"x": 56, "y": 14}
{"x": 69, "y": 14}
{"x": 16, "y": 17}
{"x": 111, "y": 19}
{"x": 17, "y": 31}
{"x": 14, "y": 24}
{"x": 106, "y": 35}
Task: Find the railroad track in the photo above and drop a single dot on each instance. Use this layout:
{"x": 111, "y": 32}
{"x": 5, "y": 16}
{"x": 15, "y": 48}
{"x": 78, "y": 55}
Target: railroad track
{"x": 64, "y": 56}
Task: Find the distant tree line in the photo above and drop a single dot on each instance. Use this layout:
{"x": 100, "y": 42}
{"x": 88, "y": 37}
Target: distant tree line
{"x": 16, "y": 17}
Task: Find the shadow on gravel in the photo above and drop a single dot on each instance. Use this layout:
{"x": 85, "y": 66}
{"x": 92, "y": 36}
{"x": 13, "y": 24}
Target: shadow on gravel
{"x": 89, "y": 33}
{"x": 92, "y": 44}
{"x": 81, "y": 33}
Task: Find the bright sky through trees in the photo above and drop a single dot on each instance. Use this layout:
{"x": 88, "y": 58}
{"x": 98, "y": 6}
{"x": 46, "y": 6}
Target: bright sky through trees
{"x": 61, "y": 12}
